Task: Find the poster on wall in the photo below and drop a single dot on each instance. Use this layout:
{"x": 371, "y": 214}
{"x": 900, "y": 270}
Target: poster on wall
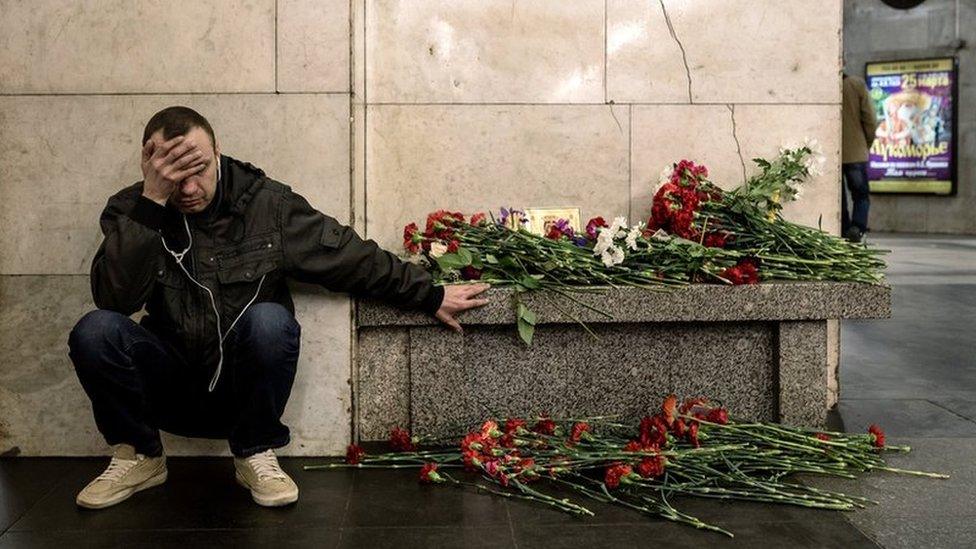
{"x": 914, "y": 149}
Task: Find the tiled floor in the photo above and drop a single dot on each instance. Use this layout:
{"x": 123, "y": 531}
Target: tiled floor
{"x": 915, "y": 374}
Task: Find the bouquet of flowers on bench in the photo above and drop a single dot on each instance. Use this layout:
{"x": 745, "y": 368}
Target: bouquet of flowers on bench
{"x": 696, "y": 233}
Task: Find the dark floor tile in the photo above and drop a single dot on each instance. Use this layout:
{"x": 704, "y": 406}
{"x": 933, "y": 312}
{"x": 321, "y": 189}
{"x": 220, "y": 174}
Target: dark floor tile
{"x": 525, "y": 512}
{"x": 201, "y": 493}
{"x": 965, "y": 407}
{"x": 388, "y": 497}
{"x": 836, "y": 533}
{"x": 177, "y": 539}
{"x": 904, "y": 418}
{"x": 497, "y": 537}
{"x": 24, "y": 481}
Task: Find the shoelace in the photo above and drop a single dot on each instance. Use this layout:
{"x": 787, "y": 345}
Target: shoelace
{"x": 117, "y": 468}
{"x": 265, "y": 465}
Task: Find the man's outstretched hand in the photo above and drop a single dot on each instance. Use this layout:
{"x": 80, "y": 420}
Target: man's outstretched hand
{"x": 459, "y": 298}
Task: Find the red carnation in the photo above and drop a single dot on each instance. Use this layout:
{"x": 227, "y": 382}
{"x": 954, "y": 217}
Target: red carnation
{"x": 592, "y": 226}
{"x": 452, "y": 246}
{"x": 479, "y": 219}
{"x": 679, "y": 428}
{"x": 651, "y": 466}
{"x": 412, "y": 238}
{"x": 716, "y": 240}
{"x": 616, "y": 474}
{"x": 653, "y": 431}
{"x": 512, "y": 425}
{"x": 669, "y": 407}
{"x": 822, "y": 436}
{"x": 577, "y": 432}
{"x": 470, "y": 273}
{"x": 428, "y": 474}
{"x": 718, "y": 415}
{"x": 354, "y": 454}
{"x": 400, "y": 440}
{"x": 878, "y": 434}
{"x": 745, "y": 272}
{"x": 545, "y": 426}
{"x": 693, "y": 434}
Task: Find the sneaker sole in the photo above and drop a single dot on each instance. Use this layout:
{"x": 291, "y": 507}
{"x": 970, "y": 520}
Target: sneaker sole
{"x": 266, "y": 501}
{"x": 125, "y": 494}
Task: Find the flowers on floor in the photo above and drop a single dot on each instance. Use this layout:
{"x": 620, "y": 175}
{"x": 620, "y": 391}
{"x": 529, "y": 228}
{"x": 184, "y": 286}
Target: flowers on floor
{"x": 697, "y": 232}
{"x": 694, "y": 449}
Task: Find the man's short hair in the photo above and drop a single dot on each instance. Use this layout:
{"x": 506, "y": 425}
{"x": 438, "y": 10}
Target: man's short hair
{"x": 177, "y": 120}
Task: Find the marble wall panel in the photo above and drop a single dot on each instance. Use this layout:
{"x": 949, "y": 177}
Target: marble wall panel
{"x": 62, "y": 157}
{"x": 476, "y": 51}
{"x": 313, "y": 45}
{"x": 763, "y": 51}
{"x": 470, "y": 158}
{"x": 119, "y": 46}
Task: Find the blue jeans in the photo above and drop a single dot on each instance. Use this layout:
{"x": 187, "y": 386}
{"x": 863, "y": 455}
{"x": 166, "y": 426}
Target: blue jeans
{"x": 856, "y": 177}
{"x": 139, "y": 384}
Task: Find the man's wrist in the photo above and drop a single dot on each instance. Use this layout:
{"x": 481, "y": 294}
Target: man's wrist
{"x": 157, "y": 200}
{"x": 432, "y": 302}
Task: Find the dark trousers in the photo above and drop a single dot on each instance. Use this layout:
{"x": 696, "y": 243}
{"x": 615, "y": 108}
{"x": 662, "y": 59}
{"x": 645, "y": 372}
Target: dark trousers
{"x": 139, "y": 384}
{"x": 856, "y": 177}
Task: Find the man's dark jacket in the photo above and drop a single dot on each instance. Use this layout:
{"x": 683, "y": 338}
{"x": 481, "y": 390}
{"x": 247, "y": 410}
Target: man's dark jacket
{"x": 255, "y": 227}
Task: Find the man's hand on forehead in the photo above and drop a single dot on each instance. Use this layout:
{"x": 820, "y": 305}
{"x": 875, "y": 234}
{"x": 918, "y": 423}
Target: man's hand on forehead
{"x": 167, "y": 163}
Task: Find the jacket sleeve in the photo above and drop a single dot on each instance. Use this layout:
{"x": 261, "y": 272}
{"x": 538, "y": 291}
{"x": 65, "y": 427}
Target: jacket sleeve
{"x": 869, "y": 121}
{"x": 320, "y": 250}
{"x": 123, "y": 270}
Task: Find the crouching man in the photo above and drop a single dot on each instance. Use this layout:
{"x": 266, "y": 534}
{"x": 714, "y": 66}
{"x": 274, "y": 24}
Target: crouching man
{"x": 205, "y": 243}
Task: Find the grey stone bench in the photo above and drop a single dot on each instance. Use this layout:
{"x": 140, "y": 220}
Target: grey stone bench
{"x": 761, "y": 350}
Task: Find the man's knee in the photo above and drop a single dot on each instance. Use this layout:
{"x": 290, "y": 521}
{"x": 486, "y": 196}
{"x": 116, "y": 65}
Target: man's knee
{"x": 269, "y": 322}
{"x": 95, "y": 330}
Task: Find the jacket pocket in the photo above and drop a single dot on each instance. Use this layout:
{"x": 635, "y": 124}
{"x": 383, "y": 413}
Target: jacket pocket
{"x": 248, "y": 271}
{"x": 331, "y": 236}
{"x": 170, "y": 277}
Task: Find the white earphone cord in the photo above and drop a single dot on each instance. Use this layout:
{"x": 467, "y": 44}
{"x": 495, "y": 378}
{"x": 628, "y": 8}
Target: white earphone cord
{"x": 178, "y": 256}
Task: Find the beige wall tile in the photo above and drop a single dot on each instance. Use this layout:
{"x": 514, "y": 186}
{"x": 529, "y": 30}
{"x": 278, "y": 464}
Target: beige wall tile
{"x": 115, "y": 46}
{"x": 664, "y": 134}
{"x": 46, "y": 412}
{"x": 485, "y": 51}
{"x": 62, "y": 157}
{"x": 762, "y": 129}
{"x": 644, "y": 62}
{"x": 313, "y": 45}
{"x": 761, "y": 51}
{"x": 471, "y": 158}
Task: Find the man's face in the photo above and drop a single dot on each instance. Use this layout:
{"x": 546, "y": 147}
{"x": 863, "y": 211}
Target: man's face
{"x": 193, "y": 194}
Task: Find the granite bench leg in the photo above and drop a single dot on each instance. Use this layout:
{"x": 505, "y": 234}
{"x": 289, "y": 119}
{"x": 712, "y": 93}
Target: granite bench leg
{"x": 381, "y": 398}
{"x": 803, "y": 373}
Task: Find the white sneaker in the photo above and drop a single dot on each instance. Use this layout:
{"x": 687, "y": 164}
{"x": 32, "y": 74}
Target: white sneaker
{"x": 126, "y": 474}
{"x": 269, "y": 485}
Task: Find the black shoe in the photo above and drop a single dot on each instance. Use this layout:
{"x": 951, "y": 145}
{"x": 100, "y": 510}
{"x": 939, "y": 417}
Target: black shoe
{"x": 854, "y": 235}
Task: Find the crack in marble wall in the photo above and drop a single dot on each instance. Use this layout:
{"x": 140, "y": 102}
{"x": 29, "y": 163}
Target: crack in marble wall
{"x": 684, "y": 55}
{"x": 735, "y": 136}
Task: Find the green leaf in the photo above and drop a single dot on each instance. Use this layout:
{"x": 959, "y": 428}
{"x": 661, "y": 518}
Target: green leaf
{"x": 489, "y": 258}
{"x": 530, "y": 282}
{"x": 448, "y": 262}
{"x": 528, "y": 316}
{"x": 525, "y": 331}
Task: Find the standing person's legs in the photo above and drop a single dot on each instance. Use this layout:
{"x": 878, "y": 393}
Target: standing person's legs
{"x": 860, "y": 195}
{"x": 845, "y": 215}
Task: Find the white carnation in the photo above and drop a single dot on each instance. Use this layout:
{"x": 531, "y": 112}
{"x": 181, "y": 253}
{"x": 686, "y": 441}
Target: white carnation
{"x": 632, "y": 236}
{"x": 437, "y": 249}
